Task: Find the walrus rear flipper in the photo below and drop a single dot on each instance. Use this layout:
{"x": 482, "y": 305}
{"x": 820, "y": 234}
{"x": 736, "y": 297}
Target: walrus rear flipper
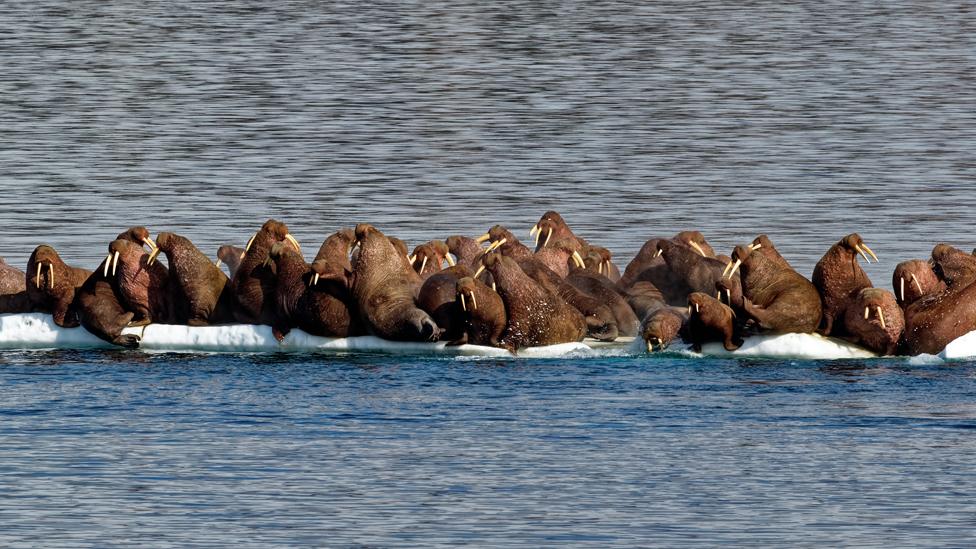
{"x": 129, "y": 341}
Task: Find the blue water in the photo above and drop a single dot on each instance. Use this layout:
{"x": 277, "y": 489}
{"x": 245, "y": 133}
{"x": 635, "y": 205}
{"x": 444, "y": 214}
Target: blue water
{"x": 805, "y": 120}
{"x": 118, "y": 448}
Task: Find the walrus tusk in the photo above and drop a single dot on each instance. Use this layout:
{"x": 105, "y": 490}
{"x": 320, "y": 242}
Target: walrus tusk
{"x": 697, "y": 308}
{"x": 423, "y": 265}
{"x": 659, "y": 253}
{"x": 735, "y": 267}
{"x": 728, "y": 294}
{"x": 314, "y": 280}
{"x": 689, "y": 310}
{"x": 153, "y": 256}
{"x": 864, "y": 255}
{"x": 917, "y": 284}
{"x": 412, "y": 259}
{"x": 606, "y": 267}
{"x": 902, "y": 288}
{"x": 464, "y": 305}
{"x": 650, "y": 347}
{"x": 50, "y": 270}
{"x": 867, "y": 313}
{"x": 538, "y": 235}
{"x": 727, "y": 267}
{"x": 865, "y": 246}
{"x": 881, "y": 317}
{"x": 217, "y": 263}
{"x": 474, "y": 302}
{"x": 108, "y": 264}
{"x": 483, "y": 238}
{"x": 294, "y": 241}
{"x": 697, "y": 248}
{"x": 480, "y": 270}
{"x": 149, "y": 242}
{"x": 493, "y": 287}
{"x": 249, "y": 243}
{"x": 115, "y": 263}
{"x": 755, "y": 247}
{"x": 450, "y": 260}
{"x": 496, "y": 244}
{"x": 37, "y": 279}
{"x": 548, "y": 236}
{"x": 578, "y": 259}
{"x": 535, "y": 229}
{"x": 718, "y": 295}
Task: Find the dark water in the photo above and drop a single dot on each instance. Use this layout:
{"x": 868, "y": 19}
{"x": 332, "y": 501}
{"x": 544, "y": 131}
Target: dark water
{"x": 278, "y": 450}
{"x": 806, "y": 120}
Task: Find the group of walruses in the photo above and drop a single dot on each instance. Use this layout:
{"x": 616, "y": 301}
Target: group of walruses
{"x": 493, "y": 290}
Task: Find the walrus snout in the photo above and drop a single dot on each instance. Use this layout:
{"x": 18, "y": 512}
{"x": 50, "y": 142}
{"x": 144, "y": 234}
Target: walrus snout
{"x": 855, "y": 243}
{"x": 363, "y": 229}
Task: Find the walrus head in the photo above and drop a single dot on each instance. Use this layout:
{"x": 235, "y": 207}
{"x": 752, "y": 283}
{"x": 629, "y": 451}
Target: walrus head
{"x": 164, "y": 243}
{"x": 600, "y": 258}
{"x": 139, "y": 235}
{"x": 695, "y": 302}
{"x": 272, "y": 231}
{"x": 696, "y": 241}
{"x": 729, "y": 291}
{"x": 761, "y": 241}
{"x": 661, "y": 328}
{"x": 739, "y": 256}
{"x": 874, "y": 301}
{"x": 854, "y": 243}
{"x": 126, "y": 250}
{"x": 913, "y": 280}
{"x": 464, "y": 249}
{"x": 953, "y": 266}
{"x": 431, "y": 254}
{"x": 464, "y": 294}
{"x": 44, "y": 258}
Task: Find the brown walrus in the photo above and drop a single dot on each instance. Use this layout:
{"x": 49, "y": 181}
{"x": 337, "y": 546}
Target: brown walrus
{"x": 649, "y": 256}
{"x": 535, "y": 316}
{"x": 551, "y": 227}
{"x": 205, "y": 287}
{"x": 601, "y": 324}
{"x": 697, "y": 272}
{"x": 778, "y": 298}
{"x": 696, "y": 241}
{"x": 144, "y": 289}
{"x": 953, "y": 266}
{"x": 253, "y": 284}
{"x": 337, "y": 247}
{"x": 329, "y": 299}
{"x": 874, "y": 320}
{"x": 913, "y": 280}
{"x": 600, "y": 260}
{"x": 51, "y": 285}
{"x": 98, "y": 307}
{"x": 663, "y": 326}
{"x": 558, "y": 255}
{"x": 765, "y": 246}
{"x": 838, "y": 277}
{"x": 438, "y": 296}
{"x": 429, "y": 257}
{"x": 935, "y": 320}
{"x": 13, "y": 289}
{"x": 483, "y": 311}
{"x": 466, "y": 250}
{"x": 384, "y": 286}
{"x": 505, "y": 242}
{"x": 711, "y": 320}
{"x": 644, "y": 298}
{"x": 600, "y": 287}
{"x": 230, "y": 256}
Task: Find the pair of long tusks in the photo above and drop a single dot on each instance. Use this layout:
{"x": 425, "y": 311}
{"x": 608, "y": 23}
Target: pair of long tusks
{"x": 728, "y": 294}
{"x": 50, "y": 278}
{"x": 861, "y": 248}
{"x": 867, "y": 314}
{"x": 314, "y": 280}
{"x": 606, "y": 267}
{"x": 755, "y": 247}
{"x": 114, "y": 260}
{"x": 412, "y": 259}
{"x": 578, "y": 260}
{"x": 697, "y": 248}
{"x": 731, "y": 268}
{"x": 696, "y": 306}
{"x": 483, "y": 238}
{"x": 495, "y": 245}
{"x": 474, "y": 302}
{"x": 149, "y": 242}
{"x": 153, "y": 256}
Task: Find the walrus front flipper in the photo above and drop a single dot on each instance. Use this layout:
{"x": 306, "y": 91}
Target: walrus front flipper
{"x": 129, "y": 341}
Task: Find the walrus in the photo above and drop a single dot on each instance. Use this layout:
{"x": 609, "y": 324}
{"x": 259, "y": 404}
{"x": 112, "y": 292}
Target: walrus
{"x": 535, "y": 316}
{"x": 13, "y": 289}
{"x": 439, "y": 298}
{"x": 649, "y": 266}
{"x": 937, "y": 319}
{"x": 99, "y": 310}
{"x": 202, "y": 284}
{"x": 51, "y": 285}
{"x": 601, "y": 324}
{"x": 384, "y": 287}
{"x": 144, "y": 289}
{"x": 337, "y": 247}
{"x": 553, "y": 226}
{"x": 483, "y": 311}
{"x": 766, "y": 247}
{"x": 230, "y": 256}
{"x": 779, "y": 299}
{"x": 644, "y": 298}
{"x": 600, "y": 260}
{"x": 253, "y": 284}
{"x": 696, "y": 241}
{"x": 600, "y": 287}
{"x": 711, "y": 320}
{"x": 953, "y": 266}
{"x": 874, "y": 319}
{"x": 558, "y": 255}
{"x": 429, "y": 257}
{"x": 838, "y": 277}
{"x": 466, "y": 250}
{"x": 663, "y": 326}
{"x": 698, "y": 273}
{"x": 504, "y": 241}
{"x": 913, "y": 280}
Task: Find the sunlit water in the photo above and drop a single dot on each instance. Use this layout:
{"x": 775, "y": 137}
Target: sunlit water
{"x": 806, "y": 121}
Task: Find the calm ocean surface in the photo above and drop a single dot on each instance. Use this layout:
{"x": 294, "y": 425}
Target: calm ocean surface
{"x": 803, "y": 120}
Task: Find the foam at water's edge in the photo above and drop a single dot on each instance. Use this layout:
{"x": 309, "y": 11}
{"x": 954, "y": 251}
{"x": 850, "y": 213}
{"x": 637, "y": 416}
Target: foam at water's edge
{"x": 38, "y": 331}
